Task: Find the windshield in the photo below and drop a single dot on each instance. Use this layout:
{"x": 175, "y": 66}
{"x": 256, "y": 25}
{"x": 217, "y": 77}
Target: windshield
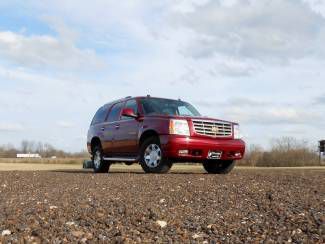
{"x": 160, "y": 106}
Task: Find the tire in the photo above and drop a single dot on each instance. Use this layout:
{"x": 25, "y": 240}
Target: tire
{"x": 100, "y": 166}
{"x": 219, "y": 166}
{"x": 157, "y": 163}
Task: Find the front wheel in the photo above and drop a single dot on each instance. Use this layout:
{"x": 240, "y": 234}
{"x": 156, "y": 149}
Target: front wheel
{"x": 100, "y": 165}
{"x": 152, "y": 159}
{"x": 219, "y": 166}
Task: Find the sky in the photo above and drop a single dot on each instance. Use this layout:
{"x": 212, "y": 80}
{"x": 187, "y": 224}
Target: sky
{"x": 257, "y": 62}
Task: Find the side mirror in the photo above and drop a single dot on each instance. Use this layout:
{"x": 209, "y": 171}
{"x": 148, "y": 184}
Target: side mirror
{"x": 128, "y": 112}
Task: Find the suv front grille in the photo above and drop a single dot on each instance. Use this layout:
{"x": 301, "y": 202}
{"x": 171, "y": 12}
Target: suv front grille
{"x": 212, "y": 128}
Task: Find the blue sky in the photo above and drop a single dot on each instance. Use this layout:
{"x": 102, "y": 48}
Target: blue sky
{"x": 257, "y": 62}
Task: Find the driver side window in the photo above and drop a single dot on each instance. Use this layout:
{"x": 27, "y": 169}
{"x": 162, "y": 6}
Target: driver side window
{"x": 132, "y": 104}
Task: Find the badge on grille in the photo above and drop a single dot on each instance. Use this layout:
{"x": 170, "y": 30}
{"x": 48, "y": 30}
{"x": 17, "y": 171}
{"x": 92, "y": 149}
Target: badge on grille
{"x": 215, "y": 129}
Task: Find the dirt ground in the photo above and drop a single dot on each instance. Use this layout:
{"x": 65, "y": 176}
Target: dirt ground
{"x": 249, "y": 205}
{"x": 177, "y": 168}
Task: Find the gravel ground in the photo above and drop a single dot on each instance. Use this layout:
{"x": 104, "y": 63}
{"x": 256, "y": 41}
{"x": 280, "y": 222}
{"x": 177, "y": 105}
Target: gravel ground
{"x": 244, "y": 206}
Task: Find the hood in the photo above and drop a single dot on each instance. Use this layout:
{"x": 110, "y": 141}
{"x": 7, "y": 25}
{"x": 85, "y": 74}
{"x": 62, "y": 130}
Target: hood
{"x": 191, "y": 118}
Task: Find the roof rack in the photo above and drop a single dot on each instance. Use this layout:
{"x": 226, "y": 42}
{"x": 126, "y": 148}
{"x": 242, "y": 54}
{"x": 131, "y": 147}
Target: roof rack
{"x": 128, "y": 97}
{"x": 148, "y": 95}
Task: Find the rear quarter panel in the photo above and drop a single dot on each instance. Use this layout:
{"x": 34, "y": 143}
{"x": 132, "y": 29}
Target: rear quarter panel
{"x": 94, "y": 131}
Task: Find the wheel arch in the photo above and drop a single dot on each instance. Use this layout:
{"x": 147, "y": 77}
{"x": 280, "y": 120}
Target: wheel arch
{"x": 95, "y": 141}
{"x": 147, "y": 134}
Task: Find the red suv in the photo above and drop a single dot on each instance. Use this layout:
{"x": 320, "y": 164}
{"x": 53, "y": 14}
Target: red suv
{"x": 157, "y": 132}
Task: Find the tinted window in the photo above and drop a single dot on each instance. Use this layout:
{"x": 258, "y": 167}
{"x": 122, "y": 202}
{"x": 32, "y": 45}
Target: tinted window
{"x": 114, "y": 115}
{"x": 133, "y": 105}
{"x": 185, "y": 111}
{"x": 162, "y": 106}
{"x": 100, "y": 115}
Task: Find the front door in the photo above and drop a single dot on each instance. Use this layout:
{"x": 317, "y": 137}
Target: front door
{"x": 126, "y": 133}
{"x": 110, "y": 129}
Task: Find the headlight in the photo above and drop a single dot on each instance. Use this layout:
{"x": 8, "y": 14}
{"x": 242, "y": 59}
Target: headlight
{"x": 237, "y": 134}
{"x": 179, "y": 127}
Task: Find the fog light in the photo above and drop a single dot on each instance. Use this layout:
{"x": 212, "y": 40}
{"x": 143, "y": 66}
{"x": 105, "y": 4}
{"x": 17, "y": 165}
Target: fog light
{"x": 238, "y": 155}
{"x": 183, "y": 152}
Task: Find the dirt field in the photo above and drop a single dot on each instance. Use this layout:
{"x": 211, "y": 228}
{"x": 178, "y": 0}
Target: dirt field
{"x": 177, "y": 168}
{"x": 187, "y": 205}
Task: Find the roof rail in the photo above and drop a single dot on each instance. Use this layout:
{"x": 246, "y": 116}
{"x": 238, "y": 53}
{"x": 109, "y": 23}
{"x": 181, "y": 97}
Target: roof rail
{"x": 128, "y": 97}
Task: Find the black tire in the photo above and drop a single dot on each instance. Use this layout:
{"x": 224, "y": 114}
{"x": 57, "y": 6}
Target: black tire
{"x": 100, "y": 166}
{"x": 219, "y": 166}
{"x": 161, "y": 166}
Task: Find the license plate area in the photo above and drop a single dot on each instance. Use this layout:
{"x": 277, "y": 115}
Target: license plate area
{"x": 214, "y": 154}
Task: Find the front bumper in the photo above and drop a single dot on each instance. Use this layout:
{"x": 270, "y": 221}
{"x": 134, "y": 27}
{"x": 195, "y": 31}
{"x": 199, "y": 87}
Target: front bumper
{"x": 198, "y": 148}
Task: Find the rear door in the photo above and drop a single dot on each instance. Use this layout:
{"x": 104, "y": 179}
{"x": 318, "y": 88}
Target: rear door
{"x": 126, "y": 137}
{"x": 109, "y": 128}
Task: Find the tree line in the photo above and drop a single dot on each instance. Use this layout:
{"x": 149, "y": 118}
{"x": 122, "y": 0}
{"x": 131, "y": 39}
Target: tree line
{"x": 45, "y": 150}
{"x": 284, "y": 152}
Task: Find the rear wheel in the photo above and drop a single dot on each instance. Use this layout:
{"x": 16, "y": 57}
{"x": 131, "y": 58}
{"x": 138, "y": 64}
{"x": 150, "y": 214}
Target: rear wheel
{"x": 219, "y": 166}
{"x": 152, "y": 159}
{"x": 100, "y": 165}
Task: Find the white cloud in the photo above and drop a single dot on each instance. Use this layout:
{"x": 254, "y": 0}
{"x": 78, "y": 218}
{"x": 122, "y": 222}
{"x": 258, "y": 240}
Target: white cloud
{"x": 126, "y": 19}
{"x": 317, "y": 5}
{"x": 233, "y": 67}
{"x": 45, "y": 51}
{"x": 275, "y": 115}
{"x": 187, "y": 6}
{"x": 263, "y": 112}
{"x": 10, "y": 127}
{"x": 268, "y": 31}
{"x": 65, "y": 124}
{"x": 246, "y": 102}
{"x": 234, "y": 102}
{"x": 320, "y": 100}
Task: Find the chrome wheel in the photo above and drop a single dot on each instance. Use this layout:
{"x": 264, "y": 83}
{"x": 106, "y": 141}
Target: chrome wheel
{"x": 97, "y": 159}
{"x": 152, "y": 155}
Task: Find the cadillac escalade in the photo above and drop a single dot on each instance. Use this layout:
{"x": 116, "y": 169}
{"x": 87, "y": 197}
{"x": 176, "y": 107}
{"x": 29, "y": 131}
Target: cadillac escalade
{"x": 158, "y": 132}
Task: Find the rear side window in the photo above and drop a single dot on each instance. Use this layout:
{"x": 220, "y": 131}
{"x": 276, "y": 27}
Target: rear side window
{"x": 133, "y": 105}
{"x": 100, "y": 115}
{"x": 114, "y": 115}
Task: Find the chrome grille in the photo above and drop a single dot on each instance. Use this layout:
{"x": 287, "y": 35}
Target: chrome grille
{"x": 212, "y": 128}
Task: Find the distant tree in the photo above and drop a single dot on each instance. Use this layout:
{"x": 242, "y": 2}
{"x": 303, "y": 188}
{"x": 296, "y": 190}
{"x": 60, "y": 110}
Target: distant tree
{"x": 8, "y": 151}
{"x": 24, "y": 146}
{"x": 252, "y": 155}
{"x": 40, "y": 148}
{"x": 44, "y": 149}
{"x": 288, "y": 143}
{"x": 28, "y": 146}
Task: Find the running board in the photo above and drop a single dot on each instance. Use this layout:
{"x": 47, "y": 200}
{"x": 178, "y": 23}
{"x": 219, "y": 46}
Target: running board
{"x": 120, "y": 159}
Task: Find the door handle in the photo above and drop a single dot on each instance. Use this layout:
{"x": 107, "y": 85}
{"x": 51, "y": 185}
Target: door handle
{"x": 103, "y": 128}
{"x": 117, "y": 127}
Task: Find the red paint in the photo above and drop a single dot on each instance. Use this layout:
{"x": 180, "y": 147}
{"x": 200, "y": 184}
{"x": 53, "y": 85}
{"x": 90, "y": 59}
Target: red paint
{"x": 121, "y": 138}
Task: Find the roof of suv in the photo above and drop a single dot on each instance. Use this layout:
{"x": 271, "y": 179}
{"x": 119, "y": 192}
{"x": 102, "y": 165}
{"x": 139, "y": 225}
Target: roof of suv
{"x": 130, "y": 97}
